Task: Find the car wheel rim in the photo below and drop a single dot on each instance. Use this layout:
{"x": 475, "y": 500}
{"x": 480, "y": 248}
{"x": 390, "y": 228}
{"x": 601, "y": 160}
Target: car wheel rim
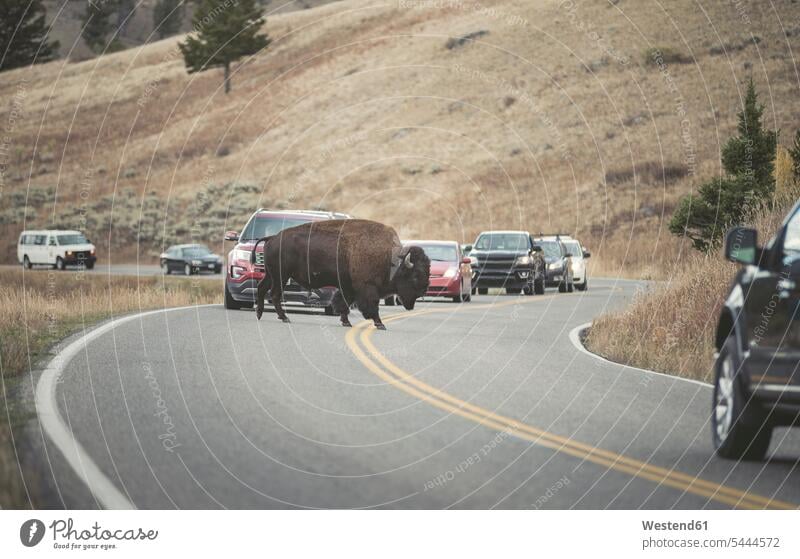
{"x": 723, "y": 409}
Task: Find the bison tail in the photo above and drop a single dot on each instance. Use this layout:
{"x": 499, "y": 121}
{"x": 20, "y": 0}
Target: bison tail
{"x": 255, "y": 246}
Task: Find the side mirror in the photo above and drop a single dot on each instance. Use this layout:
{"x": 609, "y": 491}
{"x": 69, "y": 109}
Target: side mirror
{"x": 741, "y": 245}
{"x": 587, "y": 254}
{"x": 466, "y": 260}
{"x": 536, "y": 248}
{"x": 231, "y": 236}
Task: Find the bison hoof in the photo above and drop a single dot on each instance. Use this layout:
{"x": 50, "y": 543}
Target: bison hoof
{"x": 285, "y": 319}
{"x": 258, "y": 314}
{"x": 347, "y": 324}
{"x": 380, "y": 327}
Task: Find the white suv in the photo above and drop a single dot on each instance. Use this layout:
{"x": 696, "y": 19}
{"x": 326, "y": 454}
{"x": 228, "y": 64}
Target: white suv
{"x": 55, "y": 248}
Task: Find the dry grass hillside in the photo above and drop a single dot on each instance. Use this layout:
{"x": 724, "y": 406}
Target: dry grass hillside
{"x": 439, "y": 118}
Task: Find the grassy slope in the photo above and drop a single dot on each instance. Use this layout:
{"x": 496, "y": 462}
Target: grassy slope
{"x": 671, "y": 329}
{"x": 359, "y": 106}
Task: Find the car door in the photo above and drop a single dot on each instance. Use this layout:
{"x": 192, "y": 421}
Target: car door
{"x": 772, "y": 307}
{"x": 52, "y": 249}
{"x": 174, "y": 261}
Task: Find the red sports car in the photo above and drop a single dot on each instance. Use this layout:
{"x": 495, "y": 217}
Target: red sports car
{"x": 451, "y": 273}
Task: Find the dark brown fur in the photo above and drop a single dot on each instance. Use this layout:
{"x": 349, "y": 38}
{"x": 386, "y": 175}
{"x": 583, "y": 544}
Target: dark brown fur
{"x": 355, "y": 255}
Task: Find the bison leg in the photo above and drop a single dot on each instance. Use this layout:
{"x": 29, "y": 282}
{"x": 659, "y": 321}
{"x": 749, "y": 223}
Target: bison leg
{"x": 341, "y": 306}
{"x": 368, "y": 301}
{"x": 263, "y": 287}
{"x": 277, "y": 294}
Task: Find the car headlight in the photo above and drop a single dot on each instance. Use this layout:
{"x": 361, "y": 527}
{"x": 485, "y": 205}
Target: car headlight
{"x": 239, "y": 254}
{"x": 523, "y": 261}
{"x": 554, "y": 266}
{"x": 473, "y": 261}
{"x": 451, "y": 272}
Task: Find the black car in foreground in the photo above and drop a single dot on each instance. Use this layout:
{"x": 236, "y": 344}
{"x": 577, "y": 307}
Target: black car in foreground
{"x": 507, "y": 259}
{"x": 756, "y": 378}
{"x": 190, "y": 259}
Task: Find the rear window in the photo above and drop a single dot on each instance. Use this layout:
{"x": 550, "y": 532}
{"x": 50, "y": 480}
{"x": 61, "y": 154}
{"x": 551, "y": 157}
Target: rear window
{"x": 502, "y": 241}
{"x": 267, "y": 226}
{"x": 72, "y": 239}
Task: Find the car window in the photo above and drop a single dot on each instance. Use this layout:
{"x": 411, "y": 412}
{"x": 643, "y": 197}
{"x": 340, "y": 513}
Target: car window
{"x": 52, "y": 240}
{"x": 72, "y": 239}
{"x": 440, "y": 253}
{"x": 551, "y": 249}
{"x": 574, "y": 248}
{"x": 267, "y": 226}
{"x": 791, "y": 240}
{"x": 196, "y": 251}
{"x": 502, "y": 241}
{"x": 40, "y": 240}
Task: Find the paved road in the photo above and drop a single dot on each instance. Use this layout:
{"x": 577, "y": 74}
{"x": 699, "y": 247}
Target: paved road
{"x": 121, "y": 270}
{"x": 484, "y": 404}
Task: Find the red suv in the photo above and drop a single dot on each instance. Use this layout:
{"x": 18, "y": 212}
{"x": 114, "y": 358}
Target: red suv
{"x": 241, "y": 277}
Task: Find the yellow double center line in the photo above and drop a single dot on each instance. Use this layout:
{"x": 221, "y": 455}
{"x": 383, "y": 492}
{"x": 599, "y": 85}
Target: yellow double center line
{"x": 360, "y": 343}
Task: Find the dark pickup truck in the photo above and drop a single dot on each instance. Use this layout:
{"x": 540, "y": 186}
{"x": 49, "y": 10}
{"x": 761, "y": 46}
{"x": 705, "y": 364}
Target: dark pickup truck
{"x": 507, "y": 259}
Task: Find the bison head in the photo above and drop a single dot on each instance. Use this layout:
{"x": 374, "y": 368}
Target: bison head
{"x": 411, "y": 281}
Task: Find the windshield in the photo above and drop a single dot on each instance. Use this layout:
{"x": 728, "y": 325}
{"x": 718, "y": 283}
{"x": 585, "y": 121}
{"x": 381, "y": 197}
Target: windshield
{"x": 551, "y": 249}
{"x": 440, "y": 253}
{"x": 267, "y": 226}
{"x": 199, "y": 250}
{"x": 73, "y": 239}
{"x": 574, "y": 248}
{"x": 502, "y": 241}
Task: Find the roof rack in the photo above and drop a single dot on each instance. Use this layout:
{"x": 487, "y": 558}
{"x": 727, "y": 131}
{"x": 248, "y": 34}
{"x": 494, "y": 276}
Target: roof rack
{"x": 556, "y": 235}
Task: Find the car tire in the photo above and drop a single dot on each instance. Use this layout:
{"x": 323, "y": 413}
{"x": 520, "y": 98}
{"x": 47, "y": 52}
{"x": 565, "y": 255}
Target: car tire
{"x": 165, "y": 269}
{"x": 528, "y": 289}
{"x": 483, "y": 290}
{"x": 582, "y": 286}
{"x": 740, "y": 429}
{"x": 562, "y": 287}
{"x": 60, "y": 265}
{"x": 187, "y": 270}
{"x": 474, "y": 290}
{"x": 538, "y": 287}
{"x": 90, "y": 265}
{"x": 329, "y": 310}
{"x": 231, "y": 303}
{"x": 513, "y": 290}
{"x": 26, "y": 262}
{"x": 570, "y": 286}
{"x": 389, "y": 301}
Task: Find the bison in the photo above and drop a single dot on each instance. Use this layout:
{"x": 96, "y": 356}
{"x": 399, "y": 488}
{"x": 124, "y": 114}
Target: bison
{"x": 363, "y": 259}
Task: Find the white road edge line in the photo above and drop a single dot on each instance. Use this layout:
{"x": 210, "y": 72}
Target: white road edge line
{"x": 574, "y": 337}
{"x": 82, "y": 464}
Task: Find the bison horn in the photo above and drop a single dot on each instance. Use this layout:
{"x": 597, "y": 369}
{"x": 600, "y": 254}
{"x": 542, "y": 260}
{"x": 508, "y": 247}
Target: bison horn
{"x": 407, "y": 260}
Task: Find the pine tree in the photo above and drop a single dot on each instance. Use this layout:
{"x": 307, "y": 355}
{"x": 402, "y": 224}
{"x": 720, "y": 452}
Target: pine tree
{"x": 167, "y": 17}
{"x": 23, "y": 34}
{"x": 97, "y": 23}
{"x": 224, "y": 33}
{"x": 749, "y": 162}
{"x": 795, "y": 153}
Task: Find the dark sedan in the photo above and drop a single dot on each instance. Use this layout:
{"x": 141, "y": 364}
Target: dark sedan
{"x": 190, "y": 259}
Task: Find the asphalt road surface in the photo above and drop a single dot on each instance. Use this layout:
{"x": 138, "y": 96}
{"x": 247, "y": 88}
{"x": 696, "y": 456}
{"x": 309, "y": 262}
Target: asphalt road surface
{"x": 121, "y": 270}
{"x": 476, "y": 405}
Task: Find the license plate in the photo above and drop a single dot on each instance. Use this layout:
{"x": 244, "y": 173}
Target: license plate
{"x": 210, "y": 266}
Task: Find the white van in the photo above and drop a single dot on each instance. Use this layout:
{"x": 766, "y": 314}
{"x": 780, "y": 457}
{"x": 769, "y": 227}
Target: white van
{"x": 55, "y": 248}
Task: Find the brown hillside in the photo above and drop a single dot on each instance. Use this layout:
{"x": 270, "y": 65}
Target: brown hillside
{"x": 441, "y": 121}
